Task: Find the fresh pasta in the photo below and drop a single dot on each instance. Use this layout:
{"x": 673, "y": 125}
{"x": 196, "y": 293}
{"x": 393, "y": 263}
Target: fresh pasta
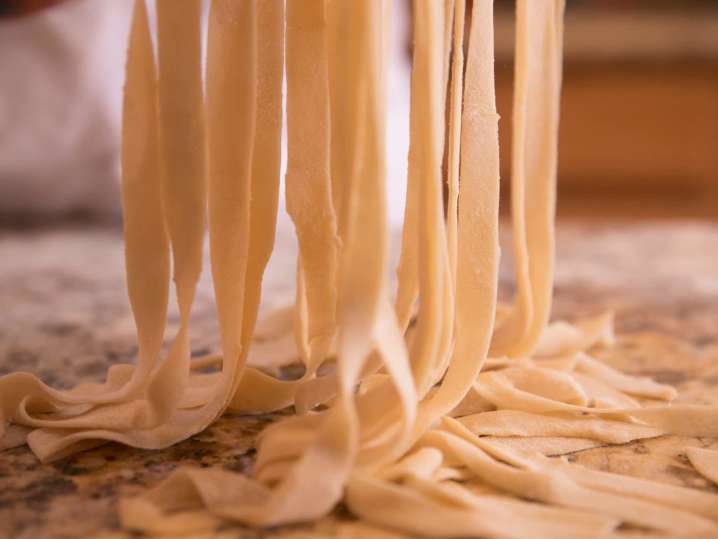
{"x": 404, "y": 400}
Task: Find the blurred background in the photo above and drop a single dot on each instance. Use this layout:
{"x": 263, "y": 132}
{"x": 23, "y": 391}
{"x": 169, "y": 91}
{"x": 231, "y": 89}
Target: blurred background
{"x": 639, "y": 109}
{"x": 639, "y": 126}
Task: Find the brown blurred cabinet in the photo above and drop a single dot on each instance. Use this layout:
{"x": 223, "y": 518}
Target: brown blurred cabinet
{"x": 639, "y": 111}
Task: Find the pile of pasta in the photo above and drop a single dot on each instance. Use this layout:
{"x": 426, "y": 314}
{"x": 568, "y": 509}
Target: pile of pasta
{"x": 430, "y": 412}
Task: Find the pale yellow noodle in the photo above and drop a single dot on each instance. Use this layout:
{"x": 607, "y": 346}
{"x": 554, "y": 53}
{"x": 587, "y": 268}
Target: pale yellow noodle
{"x": 416, "y": 429}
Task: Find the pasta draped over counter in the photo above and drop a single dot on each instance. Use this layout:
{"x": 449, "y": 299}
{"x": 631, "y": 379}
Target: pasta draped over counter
{"x": 404, "y": 401}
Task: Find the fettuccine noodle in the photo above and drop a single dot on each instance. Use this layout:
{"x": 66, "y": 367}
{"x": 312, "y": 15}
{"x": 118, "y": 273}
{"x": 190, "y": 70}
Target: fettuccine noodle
{"x": 404, "y": 401}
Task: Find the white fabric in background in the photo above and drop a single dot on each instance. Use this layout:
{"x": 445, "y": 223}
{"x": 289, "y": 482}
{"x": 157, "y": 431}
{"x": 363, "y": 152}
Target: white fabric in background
{"x": 61, "y": 77}
{"x": 61, "y": 74}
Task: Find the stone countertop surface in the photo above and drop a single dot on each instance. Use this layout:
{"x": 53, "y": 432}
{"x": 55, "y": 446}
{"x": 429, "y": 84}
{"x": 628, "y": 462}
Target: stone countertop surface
{"x": 64, "y": 315}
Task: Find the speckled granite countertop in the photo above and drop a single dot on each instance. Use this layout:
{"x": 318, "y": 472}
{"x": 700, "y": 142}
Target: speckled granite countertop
{"x": 64, "y": 315}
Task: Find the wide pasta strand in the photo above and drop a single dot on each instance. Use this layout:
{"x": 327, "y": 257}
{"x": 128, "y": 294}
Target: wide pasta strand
{"x": 227, "y": 38}
{"x": 539, "y": 37}
{"x": 308, "y": 184}
{"x": 478, "y": 250}
{"x": 705, "y": 461}
{"x": 456, "y": 96}
{"x": 145, "y": 238}
{"x": 303, "y": 494}
{"x": 165, "y": 386}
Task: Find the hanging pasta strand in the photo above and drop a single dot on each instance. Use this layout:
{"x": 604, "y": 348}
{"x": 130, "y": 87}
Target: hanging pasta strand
{"x": 224, "y": 162}
{"x": 478, "y": 251}
{"x": 165, "y": 386}
{"x": 212, "y": 398}
{"x": 454, "y": 22}
{"x": 342, "y": 138}
{"x": 308, "y": 184}
{"x": 144, "y": 221}
{"x": 232, "y": 42}
{"x": 378, "y": 436}
{"x": 303, "y": 493}
{"x": 182, "y": 147}
{"x": 407, "y": 271}
{"x": 135, "y": 421}
{"x": 231, "y": 103}
{"x": 182, "y": 136}
{"x": 266, "y": 154}
{"x": 146, "y": 239}
{"x": 456, "y": 97}
{"x": 427, "y": 77}
{"x": 257, "y": 391}
{"x": 533, "y": 186}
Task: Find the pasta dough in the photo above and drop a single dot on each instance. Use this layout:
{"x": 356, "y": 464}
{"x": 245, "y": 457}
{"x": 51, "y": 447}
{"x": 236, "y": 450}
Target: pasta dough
{"x": 705, "y": 461}
{"x": 404, "y": 422}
